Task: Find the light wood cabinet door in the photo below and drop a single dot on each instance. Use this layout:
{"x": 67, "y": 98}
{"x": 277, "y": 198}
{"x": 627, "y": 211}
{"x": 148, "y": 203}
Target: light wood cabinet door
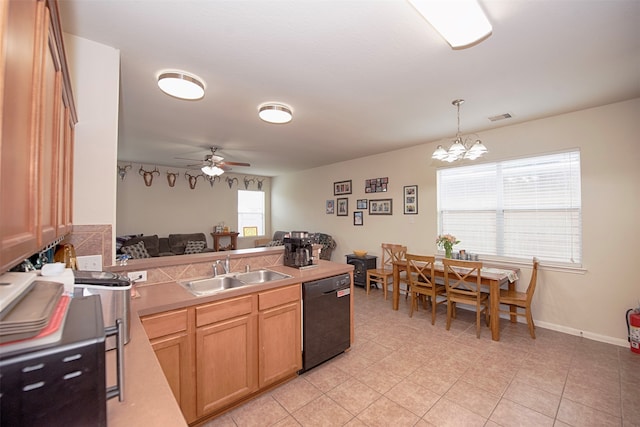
{"x": 279, "y": 340}
{"x": 169, "y": 334}
{"x": 227, "y": 364}
{"x": 173, "y": 354}
{"x": 19, "y": 235}
{"x": 49, "y": 122}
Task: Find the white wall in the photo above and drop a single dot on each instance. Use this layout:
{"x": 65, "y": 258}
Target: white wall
{"x": 95, "y": 80}
{"x": 592, "y": 302}
{"x": 163, "y": 210}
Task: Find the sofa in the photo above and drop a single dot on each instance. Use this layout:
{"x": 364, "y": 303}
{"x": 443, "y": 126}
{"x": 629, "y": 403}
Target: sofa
{"x": 141, "y": 246}
{"x": 327, "y": 242}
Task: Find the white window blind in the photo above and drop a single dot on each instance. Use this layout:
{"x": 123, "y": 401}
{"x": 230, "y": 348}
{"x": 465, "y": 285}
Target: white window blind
{"x": 251, "y": 210}
{"x": 517, "y": 208}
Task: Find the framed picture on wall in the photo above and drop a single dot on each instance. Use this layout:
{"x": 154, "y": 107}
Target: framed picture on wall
{"x": 358, "y": 217}
{"x": 343, "y": 206}
{"x": 361, "y": 204}
{"x": 341, "y": 187}
{"x": 381, "y": 207}
{"x": 410, "y": 199}
{"x": 329, "y": 207}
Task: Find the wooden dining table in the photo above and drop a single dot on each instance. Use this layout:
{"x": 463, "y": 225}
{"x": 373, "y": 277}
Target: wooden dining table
{"x": 492, "y": 276}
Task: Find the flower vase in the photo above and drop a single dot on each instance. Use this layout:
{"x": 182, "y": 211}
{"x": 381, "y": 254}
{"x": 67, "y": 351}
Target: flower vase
{"x": 447, "y": 252}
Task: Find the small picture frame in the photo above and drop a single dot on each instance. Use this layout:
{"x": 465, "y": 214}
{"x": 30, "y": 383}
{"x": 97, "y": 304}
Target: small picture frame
{"x": 381, "y": 207}
{"x": 376, "y": 185}
{"x": 410, "y": 200}
{"x": 361, "y": 204}
{"x": 329, "y": 207}
{"x": 343, "y": 206}
{"x": 358, "y": 218}
{"x": 341, "y": 187}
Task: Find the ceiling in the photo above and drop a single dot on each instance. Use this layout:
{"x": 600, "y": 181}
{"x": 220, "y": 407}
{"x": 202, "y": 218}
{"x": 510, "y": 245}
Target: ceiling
{"x": 362, "y": 77}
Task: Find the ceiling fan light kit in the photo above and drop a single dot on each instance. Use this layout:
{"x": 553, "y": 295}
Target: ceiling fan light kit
{"x": 275, "y": 113}
{"x": 467, "y": 148}
{"x": 462, "y": 23}
{"x": 212, "y": 170}
{"x": 181, "y": 85}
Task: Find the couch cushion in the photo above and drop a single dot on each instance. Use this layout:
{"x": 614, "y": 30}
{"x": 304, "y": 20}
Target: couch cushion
{"x": 151, "y": 244}
{"x": 194, "y": 247}
{"x": 136, "y": 250}
{"x": 178, "y": 242}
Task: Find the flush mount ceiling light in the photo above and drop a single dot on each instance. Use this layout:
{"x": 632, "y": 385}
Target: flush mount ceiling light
{"x": 461, "y": 23}
{"x": 212, "y": 170}
{"x": 468, "y": 148}
{"x": 275, "y": 113}
{"x": 181, "y": 85}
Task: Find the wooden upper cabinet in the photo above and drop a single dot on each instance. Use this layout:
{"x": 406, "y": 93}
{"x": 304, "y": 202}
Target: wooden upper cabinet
{"x": 34, "y": 148}
{"x": 49, "y": 122}
{"x": 18, "y": 146}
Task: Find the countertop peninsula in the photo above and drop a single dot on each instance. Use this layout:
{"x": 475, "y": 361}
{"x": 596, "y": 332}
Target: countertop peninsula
{"x": 148, "y": 397}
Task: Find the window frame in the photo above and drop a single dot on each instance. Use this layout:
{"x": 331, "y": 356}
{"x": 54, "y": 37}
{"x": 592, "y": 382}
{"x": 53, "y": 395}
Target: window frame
{"x": 264, "y": 214}
{"x": 501, "y": 208}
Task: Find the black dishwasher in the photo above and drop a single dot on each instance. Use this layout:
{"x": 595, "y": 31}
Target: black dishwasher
{"x": 326, "y": 326}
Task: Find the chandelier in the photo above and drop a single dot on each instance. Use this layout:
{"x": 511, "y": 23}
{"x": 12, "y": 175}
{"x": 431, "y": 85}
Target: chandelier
{"x": 468, "y": 148}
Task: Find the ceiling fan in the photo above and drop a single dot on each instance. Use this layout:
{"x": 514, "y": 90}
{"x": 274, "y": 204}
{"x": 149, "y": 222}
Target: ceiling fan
{"x": 212, "y": 164}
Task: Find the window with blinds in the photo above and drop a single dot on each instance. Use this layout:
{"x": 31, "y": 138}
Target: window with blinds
{"x": 516, "y": 209}
{"x": 251, "y": 213}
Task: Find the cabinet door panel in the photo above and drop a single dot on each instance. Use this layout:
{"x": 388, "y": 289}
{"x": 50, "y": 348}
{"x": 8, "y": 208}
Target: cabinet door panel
{"x": 49, "y": 121}
{"x": 280, "y": 347}
{"x": 226, "y": 363}
{"x": 173, "y": 355}
{"x": 18, "y": 147}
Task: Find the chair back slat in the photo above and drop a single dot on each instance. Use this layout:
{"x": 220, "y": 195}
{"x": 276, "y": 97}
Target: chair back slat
{"x": 392, "y": 252}
{"x": 463, "y": 277}
{"x": 420, "y": 270}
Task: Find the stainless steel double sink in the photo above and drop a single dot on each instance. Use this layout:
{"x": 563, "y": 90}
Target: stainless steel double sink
{"x": 223, "y": 282}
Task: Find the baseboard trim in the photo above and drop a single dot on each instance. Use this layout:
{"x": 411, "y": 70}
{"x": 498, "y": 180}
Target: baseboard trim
{"x": 576, "y": 332}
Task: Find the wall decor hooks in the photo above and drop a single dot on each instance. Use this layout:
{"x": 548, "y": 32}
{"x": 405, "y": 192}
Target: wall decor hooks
{"x": 260, "y": 181}
{"x": 122, "y": 171}
{"x": 231, "y": 180}
{"x": 193, "y": 179}
{"x": 212, "y": 179}
{"x": 148, "y": 175}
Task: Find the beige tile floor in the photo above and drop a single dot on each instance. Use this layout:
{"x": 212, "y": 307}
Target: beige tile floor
{"x": 403, "y": 371}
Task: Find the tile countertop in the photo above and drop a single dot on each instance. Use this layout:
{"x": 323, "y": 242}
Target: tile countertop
{"x": 148, "y": 400}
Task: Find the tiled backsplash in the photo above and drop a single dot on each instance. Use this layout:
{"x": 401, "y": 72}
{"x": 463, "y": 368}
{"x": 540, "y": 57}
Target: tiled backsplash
{"x": 92, "y": 240}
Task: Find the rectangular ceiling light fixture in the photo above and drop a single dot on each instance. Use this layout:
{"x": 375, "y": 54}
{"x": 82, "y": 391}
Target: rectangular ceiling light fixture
{"x": 462, "y": 23}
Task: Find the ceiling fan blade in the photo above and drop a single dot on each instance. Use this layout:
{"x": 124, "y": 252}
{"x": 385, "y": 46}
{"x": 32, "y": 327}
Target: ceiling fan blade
{"x": 195, "y": 165}
{"x": 236, "y": 163}
{"x": 184, "y": 158}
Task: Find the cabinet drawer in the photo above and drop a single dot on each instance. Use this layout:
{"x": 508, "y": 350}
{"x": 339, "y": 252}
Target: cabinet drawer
{"x": 276, "y": 297}
{"x": 163, "y": 324}
{"x": 222, "y": 310}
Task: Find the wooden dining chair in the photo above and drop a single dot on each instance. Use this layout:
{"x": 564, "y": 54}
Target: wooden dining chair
{"x": 422, "y": 282}
{"x": 462, "y": 282}
{"x": 384, "y": 274}
{"x": 522, "y": 299}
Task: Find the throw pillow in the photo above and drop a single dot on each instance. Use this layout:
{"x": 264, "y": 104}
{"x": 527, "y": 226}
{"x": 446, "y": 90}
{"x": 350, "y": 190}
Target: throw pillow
{"x": 121, "y": 239}
{"x": 136, "y": 251}
{"x": 194, "y": 247}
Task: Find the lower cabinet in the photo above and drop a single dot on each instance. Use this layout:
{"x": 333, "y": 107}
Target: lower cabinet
{"x": 218, "y": 353}
{"x": 279, "y": 334}
{"x": 171, "y": 341}
{"x": 226, "y": 353}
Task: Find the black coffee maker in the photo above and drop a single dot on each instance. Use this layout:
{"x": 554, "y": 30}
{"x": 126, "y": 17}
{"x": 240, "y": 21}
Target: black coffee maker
{"x": 298, "y": 249}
